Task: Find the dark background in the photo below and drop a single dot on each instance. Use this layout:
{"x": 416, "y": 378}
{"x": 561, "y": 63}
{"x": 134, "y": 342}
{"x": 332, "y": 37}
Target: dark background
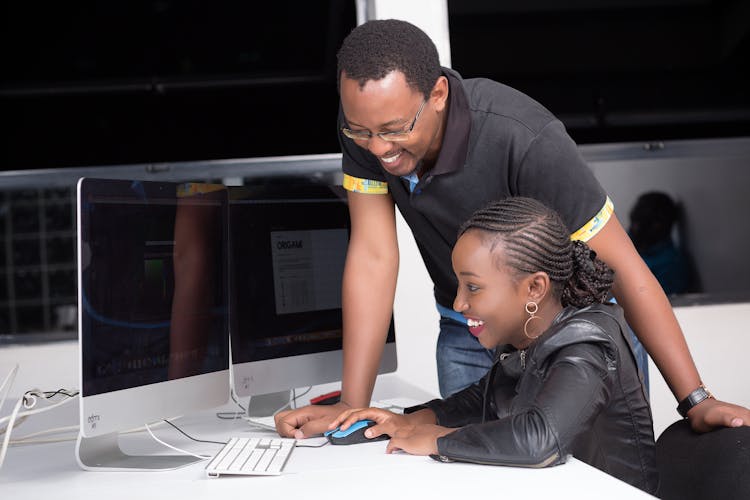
{"x": 118, "y": 82}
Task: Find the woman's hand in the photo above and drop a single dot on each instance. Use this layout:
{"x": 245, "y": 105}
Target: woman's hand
{"x": 415, "y": 433}
{"x": 386, "y": 421}
{"x": 417, "y": 439}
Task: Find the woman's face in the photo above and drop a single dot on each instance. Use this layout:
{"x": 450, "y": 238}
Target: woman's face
{"x": 488, "y": 295}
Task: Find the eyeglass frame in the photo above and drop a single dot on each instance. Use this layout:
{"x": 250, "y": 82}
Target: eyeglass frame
{"x": 394, "y": 136}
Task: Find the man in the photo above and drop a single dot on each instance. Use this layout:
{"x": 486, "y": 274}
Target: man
{"x": 418, "y": 136}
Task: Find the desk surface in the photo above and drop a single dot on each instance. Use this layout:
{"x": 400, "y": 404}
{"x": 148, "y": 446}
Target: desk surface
{"x": 50, "y": 471}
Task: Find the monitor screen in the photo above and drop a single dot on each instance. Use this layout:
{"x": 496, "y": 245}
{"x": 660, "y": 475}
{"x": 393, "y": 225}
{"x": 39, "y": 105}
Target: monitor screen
{"x": 153, "y": 301}
{"x": 288, "y": 248}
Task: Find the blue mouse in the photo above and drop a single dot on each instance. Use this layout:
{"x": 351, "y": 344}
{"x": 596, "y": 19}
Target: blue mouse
{"x": 354, "y": 434}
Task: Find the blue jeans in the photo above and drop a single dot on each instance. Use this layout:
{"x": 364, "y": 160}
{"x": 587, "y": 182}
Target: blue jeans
{"x": 641, "y": 357}
{"x": 462, "y": 360}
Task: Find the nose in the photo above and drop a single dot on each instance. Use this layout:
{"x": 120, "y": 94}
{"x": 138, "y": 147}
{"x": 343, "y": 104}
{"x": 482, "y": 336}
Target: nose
{"x": 378, "y": 146}
{"x": 459, "y": 304}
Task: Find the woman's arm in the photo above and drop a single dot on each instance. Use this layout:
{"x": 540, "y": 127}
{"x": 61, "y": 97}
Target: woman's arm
{"x": 575, "y": 391}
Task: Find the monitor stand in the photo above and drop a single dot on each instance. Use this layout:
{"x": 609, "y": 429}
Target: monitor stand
{"x": 103, "y": 453}
{"x": 266, "y": 405}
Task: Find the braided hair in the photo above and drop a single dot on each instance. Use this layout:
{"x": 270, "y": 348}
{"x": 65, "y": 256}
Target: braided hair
{"x": 536, "y": 239}
{"x": 376, "y": 48}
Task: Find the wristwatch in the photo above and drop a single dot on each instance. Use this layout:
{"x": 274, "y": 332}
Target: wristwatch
{"x": 692, "y": 399}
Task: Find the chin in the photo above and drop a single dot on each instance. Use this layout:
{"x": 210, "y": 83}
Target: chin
{"x": 488, "y": 344}
{"x": 399, "y": 170}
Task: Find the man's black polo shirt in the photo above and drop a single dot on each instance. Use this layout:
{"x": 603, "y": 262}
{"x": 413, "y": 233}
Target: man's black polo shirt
{"x": 498, "y": 142}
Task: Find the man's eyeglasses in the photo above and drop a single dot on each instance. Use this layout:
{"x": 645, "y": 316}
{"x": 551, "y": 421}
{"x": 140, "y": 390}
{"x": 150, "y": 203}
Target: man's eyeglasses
{"x": 398, "y": 136}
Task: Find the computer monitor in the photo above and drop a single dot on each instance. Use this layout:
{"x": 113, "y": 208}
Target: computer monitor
{"x": 153, "y": 311}
{"x": 288, "y": 247}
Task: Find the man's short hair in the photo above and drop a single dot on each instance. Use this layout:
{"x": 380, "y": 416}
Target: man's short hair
{"x": 376, "y": 48}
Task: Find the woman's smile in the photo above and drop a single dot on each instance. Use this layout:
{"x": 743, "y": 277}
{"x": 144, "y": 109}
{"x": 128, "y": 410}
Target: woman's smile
{"x": 476, "y": 326}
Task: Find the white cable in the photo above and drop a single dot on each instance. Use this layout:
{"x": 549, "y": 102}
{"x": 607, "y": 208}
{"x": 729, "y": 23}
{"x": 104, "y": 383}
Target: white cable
{"x": 12, "y": 417}
{"x": 185, "y": 452}
{"x": 28, "y": 438}
{"x": 292, "y": 403}
{"x": 143, "y": 427}
{"x": 266, "y": 422}
{"x": 7, "y": 382}
{"x": 21, "y": 442}
{"x": 21, "y": 419}
{"x": 235, "y": 398}
{"x": 16, "y": 413}
{"x": 37, "y": 410}
{"x": 5, "y": 388}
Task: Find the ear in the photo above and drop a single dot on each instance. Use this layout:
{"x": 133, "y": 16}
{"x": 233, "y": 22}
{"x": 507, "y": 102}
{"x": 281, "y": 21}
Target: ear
{"x": 439, "y": 93}
{"x": 538, "y": 286}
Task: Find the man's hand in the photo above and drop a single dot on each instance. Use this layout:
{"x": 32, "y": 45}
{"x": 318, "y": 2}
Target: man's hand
{"x": 712, "y": 413}
{"x": 307, "y": 421}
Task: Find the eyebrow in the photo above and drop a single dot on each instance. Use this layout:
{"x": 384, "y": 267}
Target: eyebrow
{"x": 391, "y": 123}
{"x": 468, "y": 273}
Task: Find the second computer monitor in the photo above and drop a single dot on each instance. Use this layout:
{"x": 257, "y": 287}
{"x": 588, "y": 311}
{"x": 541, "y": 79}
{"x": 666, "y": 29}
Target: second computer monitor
{"x": 288, "y": 246}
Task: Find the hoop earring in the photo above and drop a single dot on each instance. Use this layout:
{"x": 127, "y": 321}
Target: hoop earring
{"x": 531, "y": 309}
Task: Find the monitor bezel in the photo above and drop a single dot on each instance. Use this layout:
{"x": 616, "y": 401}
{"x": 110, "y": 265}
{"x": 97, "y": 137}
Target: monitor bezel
{"x": 255, "y": 378}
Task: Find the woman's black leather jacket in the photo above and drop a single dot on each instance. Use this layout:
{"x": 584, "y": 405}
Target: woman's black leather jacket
{"x": 576, "y": 390}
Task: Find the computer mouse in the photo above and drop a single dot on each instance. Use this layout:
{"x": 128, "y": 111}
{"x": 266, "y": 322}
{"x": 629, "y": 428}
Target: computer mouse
{"x": 354, "y": 434}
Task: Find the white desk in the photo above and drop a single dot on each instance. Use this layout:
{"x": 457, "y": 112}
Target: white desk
{"x": 364, "y": 471}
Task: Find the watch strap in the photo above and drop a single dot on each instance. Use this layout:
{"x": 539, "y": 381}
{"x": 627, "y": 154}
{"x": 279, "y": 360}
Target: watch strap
{"x": 697, "y": 396}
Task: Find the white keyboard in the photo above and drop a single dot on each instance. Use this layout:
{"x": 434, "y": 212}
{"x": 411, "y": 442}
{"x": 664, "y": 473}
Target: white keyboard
{"x": 251, "y": 456}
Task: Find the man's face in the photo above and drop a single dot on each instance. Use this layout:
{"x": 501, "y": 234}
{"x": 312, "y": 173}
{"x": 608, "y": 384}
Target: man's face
{"x": 390, "y": 105}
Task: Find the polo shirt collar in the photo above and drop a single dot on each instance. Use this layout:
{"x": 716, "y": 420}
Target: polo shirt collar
{"x": 455, "y": 145}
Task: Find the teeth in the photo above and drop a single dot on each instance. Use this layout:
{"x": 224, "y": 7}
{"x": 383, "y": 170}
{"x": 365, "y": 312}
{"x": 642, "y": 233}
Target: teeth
{"x": 390, "y": 159}
{"x": 474, "y": 322}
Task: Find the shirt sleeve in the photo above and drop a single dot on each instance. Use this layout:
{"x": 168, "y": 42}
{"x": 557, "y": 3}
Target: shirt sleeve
{"x": 596, "y": 223}
{"x": 553, "y": 171}
{"x": 575, "y": 390}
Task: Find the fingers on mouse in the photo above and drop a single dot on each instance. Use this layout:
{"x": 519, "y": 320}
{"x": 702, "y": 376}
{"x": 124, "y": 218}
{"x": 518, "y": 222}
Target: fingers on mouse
{"x": 354, "y": 434}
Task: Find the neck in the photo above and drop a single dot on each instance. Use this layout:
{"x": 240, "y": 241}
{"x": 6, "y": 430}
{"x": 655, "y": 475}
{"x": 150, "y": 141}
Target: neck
{"x": 433, "y": 151}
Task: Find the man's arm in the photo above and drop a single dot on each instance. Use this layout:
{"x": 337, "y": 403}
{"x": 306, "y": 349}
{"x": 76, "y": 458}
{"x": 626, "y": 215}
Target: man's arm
{"x": 650, "y": 314}
{"x": 369, "y": 287}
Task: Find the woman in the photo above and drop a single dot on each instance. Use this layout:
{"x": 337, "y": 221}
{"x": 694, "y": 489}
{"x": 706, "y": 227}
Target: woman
{"x": 564, "y": 379}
